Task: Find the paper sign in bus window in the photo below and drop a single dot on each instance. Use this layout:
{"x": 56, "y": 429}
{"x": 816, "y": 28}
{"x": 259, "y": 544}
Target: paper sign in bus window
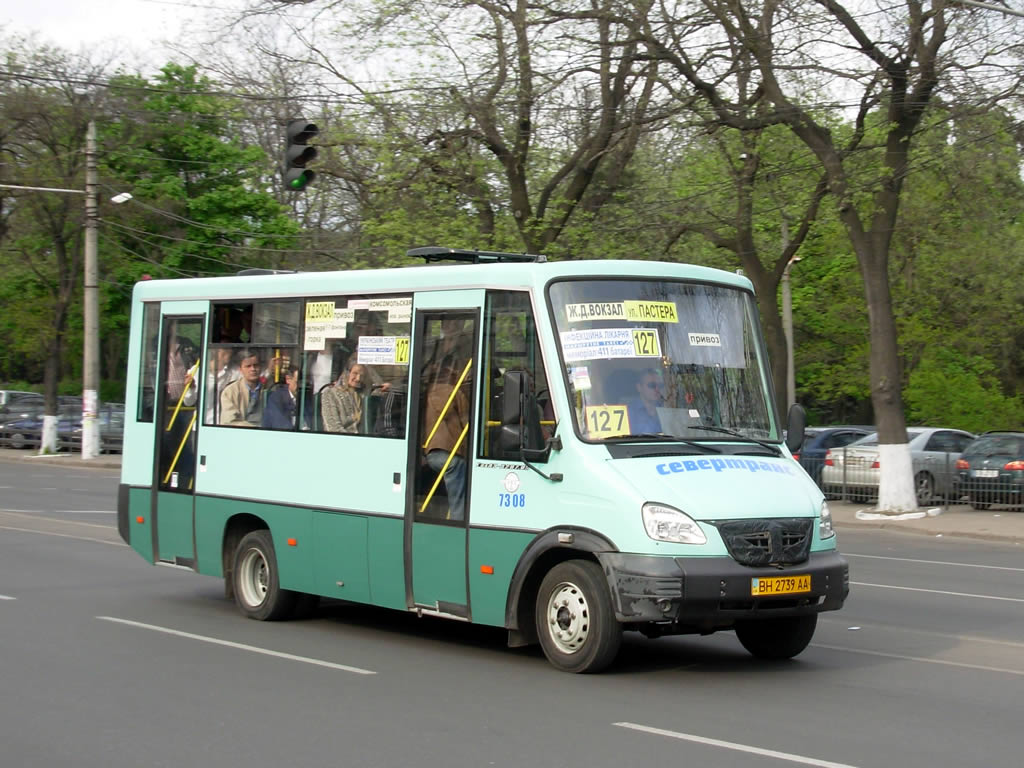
{"x": 648, "y": 311}
{"x": 319, "y": 311}
{"x": 337, "y": 326}
{"x": 633, "y": 311}
{"x": 399, "y": 308}
{"x": 580, "y": 377}
{"x": 705, "y": 340}
{"x": 596, "y": 310}
{"x": 314, "y": 338}
{"x": 383, "y": 350}
{"x": 645, "y": 342}
{"x": 607, "y": 420}
{"x": 597, "y": 344}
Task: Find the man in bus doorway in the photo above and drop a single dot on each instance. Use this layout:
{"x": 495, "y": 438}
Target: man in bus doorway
{"x": 447, "y": 420}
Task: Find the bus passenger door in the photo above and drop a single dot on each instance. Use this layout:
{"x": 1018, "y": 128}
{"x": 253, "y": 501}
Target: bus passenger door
{"x": 177, "y": 408}
{"x": 440, "y": 451}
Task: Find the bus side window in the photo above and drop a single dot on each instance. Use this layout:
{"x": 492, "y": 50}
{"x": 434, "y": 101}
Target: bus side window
{"x": 511, "y": 344}
{"x": 148, "y": 368}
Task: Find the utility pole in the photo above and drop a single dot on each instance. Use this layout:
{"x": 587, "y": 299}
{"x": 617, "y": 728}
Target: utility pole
{"x": 91, "y": 342}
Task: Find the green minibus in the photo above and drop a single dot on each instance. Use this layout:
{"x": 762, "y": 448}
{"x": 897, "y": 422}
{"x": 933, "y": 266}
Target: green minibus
{"x": 567, "y": 450}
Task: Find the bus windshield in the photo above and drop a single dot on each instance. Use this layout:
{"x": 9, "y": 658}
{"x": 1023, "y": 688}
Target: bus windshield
{"x": 662, "y": 360}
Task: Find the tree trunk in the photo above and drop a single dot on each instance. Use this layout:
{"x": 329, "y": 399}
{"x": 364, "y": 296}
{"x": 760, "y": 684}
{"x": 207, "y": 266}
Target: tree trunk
{"x": 896, "y": 480}
{"x": 774, "y": 337}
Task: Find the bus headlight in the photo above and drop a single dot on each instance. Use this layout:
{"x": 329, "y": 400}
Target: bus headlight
{"x": 825, "y": 529}
{"x": 664, "y": 523}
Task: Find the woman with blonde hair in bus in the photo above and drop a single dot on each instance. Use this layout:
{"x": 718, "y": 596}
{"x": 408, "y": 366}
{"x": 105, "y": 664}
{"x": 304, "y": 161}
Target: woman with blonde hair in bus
{"x": 342, "y": 404}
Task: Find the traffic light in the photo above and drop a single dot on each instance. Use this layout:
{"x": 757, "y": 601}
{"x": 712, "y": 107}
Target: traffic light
{"x": 297, "y": 154}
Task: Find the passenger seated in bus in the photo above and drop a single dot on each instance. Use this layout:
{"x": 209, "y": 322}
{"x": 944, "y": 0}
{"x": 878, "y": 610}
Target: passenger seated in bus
{"x": 446, "y": 418}
{"x": 282, "y": 405}
{"x": 241, "y": 402}
{"x": 219, "y": 373}
{"x": 643, "y": 407}
{"x": 341, "y": 406}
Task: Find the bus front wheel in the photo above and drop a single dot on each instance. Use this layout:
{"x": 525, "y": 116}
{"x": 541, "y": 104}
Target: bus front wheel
{"x": 575, "y": 621}
{"x": 258, "y": 593}
{"x": 781, "y": 638}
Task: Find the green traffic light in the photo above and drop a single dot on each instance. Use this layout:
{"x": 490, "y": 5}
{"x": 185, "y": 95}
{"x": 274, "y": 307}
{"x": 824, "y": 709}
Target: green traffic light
{"x": 298, "y": 178}
{"x": 297, "y": 154}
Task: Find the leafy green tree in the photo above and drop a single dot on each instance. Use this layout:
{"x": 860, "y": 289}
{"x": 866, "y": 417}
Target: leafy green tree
{"x": 200, "y": 207}
{"x": 44, "y": 114}
{"x": 950, "y": 389}
{"x": 200, "y": 203}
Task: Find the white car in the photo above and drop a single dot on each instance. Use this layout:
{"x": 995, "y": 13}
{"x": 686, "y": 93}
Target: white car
{"x": 853, "y": 471}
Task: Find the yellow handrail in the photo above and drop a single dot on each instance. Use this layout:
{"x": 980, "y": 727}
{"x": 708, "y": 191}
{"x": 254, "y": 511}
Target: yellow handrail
{"x": 444, "y": 469}
{"x": 191, "y": 372}
{"x": 181, "y": 447}
{"x": 451, "y": 397}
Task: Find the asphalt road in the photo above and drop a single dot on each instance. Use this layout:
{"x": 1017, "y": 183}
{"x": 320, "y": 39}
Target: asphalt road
{"x": 108, "y": 662}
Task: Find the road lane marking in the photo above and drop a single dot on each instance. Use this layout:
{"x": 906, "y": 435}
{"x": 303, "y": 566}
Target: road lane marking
{"x": 734, "y": 746}
{"x": 936, "y": 562}
{"x": 240, "y": 646}
{"x": 926, "y": 633}
{"x": 939, "y": 592}
{"x": 7, "y": 597}
{"x": 34, "y": 515}
{"x": 64, "y": 535}
{"x": 902, "y": 657}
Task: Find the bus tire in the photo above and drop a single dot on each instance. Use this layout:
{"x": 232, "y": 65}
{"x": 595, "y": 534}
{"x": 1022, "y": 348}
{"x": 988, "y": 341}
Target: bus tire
{"x": 575, "y": 621}
{"x": 781, "y": 638}
{"x": 258, "y": 593}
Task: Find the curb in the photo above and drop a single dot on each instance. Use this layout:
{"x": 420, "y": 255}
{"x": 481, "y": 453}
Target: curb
{"x": 940, "y": 522}
{"x": 13, "y": 456}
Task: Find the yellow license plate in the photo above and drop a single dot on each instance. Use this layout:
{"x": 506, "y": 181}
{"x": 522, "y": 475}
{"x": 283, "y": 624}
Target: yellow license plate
{"x": 781, "y": 585}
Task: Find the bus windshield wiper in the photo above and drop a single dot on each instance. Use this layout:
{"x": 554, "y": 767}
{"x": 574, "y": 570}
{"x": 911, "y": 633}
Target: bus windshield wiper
{"x": 773, "y": 448}
{"x": 661, "y": 437}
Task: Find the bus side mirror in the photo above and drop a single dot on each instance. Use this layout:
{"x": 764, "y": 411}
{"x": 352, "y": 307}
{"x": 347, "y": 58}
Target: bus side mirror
{"x": 796, "y": 423}
{"x": 513, "y": 390}
{"x": 521, "y": 434}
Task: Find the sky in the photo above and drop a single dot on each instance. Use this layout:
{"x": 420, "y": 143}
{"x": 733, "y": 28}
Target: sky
{"x": 133, "y": 29}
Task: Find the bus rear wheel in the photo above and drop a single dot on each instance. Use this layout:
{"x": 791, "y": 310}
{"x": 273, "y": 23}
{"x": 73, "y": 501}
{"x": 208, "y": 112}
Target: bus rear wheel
{"x": 575, "y": 621}
{"x": 781, "y": 638}
{"x": 258, "y": 593}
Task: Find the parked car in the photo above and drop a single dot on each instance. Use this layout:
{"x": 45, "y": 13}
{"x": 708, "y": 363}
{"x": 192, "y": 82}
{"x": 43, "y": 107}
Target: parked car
{"x": 853, "y": 470}
{"x": 111, "y": 422}
{"x": 13, "y": 403}
{"x": 27, "y": 432}
{"x": 23, "y": 432}
{"x": 991, "y": 470}
{"x": 23, "y": 408}
{"x": 817, "y": 442}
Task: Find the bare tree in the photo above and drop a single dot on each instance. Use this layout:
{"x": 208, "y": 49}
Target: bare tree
{"x": 551, "y": 102}
{"x": 885, "y": 67}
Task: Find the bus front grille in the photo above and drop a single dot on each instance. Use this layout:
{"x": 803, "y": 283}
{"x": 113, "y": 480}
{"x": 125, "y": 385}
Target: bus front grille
{"x": 772, "y": 541}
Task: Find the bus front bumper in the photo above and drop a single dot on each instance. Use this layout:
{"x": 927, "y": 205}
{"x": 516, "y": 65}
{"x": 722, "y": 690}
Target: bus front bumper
{"x": 704, "y": 594}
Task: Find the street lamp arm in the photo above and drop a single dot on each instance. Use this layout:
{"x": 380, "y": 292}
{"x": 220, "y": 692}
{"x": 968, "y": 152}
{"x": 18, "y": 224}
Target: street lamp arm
{"x": 44, "y": 189}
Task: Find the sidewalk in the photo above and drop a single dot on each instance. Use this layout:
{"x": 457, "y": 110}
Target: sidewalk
{"x": 956, "y": 521}
{"x": 63, "y": 459}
